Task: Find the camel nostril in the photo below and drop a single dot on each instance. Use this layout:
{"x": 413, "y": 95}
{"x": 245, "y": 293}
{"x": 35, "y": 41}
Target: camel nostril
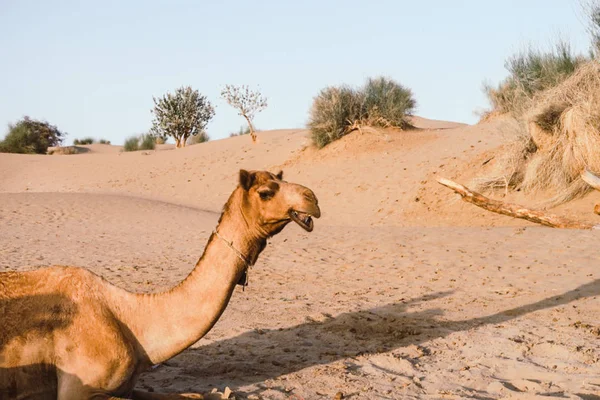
{"x": 310, "y": 196}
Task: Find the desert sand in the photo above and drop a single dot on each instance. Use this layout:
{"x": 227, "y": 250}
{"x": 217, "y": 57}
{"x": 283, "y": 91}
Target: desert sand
{"x": 401, "y": 291}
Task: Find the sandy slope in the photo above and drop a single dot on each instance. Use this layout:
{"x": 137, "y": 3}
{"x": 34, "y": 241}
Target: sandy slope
{"x": 402, "y": 291}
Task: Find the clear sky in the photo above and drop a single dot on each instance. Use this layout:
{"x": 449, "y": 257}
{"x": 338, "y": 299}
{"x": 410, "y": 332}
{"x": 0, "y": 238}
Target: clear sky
{"x": 92, "y": 67}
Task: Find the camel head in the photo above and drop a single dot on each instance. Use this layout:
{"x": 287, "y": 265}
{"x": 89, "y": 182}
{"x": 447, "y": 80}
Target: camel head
{"x": 269, "y": 203}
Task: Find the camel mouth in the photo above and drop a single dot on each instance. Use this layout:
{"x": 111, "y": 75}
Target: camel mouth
{"x": 303, "y": 219}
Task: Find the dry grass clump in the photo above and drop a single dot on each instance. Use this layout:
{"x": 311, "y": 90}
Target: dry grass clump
{"x": 387, "y": 103}
{"x": 132, "y": 143}
{"x": 509, "y": 169}
{"x": 141, "y": 142}
{"x": 334, "y": 113}
{"x": 67, "y": 150}
{"x": 201, "y": 137}
{"x": 561, "y": 137}
{"x": 337, "y": 111}
{"x": 531, "y": 71}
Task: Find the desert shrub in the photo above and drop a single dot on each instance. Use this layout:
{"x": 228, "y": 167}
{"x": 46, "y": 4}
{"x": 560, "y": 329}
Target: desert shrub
{"x": 159, "y": 140}
{"x": 337, "y": 111}
{"x": 132, "y": 143}
{"x": 334, "y": 112}
{"x": 244, "y": 130}
{"x": 181, "y": 115}
{"x": 84, "y": 141}
{"x": 104, "y": 141}
{"x": 560, "y": 137}
{"x": 387, "y": 103}
{"x": 30, "y": 136}
{"x": 530, "y": 72}
{"x": 147, "y": 142}
{"x": 555, "y": 97}
{"x": 202, "y": 137}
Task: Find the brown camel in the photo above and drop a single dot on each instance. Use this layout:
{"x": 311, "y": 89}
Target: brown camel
{"x": 66, "y": 333}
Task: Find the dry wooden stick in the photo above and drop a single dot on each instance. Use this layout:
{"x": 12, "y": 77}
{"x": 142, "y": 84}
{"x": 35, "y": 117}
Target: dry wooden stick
{"x": 591, "y": 179}
{"x": 515, "y": 210}
{"x": 594, "y": 181}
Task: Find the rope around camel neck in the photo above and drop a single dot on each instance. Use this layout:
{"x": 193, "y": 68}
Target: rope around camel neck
{"x": 237, "y": 253}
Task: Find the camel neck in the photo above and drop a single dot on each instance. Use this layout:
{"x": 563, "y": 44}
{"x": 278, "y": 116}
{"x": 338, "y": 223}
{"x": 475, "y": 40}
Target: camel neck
{"x": 167, "y": 323}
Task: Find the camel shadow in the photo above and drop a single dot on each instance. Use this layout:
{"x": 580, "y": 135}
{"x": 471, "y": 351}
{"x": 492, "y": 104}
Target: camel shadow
{"x": 257, "y": 355}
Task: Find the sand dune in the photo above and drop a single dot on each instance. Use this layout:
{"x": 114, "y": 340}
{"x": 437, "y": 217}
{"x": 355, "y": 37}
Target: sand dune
{"x": 401, "y": 291}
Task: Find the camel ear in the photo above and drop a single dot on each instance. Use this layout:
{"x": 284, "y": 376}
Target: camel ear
{"x": 280, "y": 175}
{"x": 246, "y": 179}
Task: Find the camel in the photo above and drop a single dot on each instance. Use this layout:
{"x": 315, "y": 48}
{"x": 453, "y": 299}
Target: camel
{"x": 67, "y": 333}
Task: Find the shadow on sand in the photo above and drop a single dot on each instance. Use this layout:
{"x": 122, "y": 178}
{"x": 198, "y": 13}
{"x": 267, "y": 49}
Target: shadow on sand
{"x": 255, "y": 356}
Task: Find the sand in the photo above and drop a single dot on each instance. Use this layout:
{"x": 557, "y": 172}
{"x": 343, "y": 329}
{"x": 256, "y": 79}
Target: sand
{"x": 401, "y": 291}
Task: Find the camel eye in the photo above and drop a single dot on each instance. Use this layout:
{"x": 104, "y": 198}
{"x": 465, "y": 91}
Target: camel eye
{"x": 266, "y": 194}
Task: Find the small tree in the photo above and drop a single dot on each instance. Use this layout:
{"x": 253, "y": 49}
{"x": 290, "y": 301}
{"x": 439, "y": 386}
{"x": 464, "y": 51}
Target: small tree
{"x": 181, "y": 115}
{"x": 246, "y": 101}
{"x": 31, "y": 136}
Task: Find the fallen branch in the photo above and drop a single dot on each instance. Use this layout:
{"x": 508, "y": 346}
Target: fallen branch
{"x": 591, "y": 179}
{"x": 515, "y": 210}
{"x": 594, "y": 181}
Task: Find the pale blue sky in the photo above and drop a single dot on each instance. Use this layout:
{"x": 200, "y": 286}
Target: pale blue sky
{"x": 91, "y": 68}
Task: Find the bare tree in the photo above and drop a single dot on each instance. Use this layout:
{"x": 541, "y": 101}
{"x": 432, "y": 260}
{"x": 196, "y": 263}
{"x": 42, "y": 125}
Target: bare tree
{"x": 181, "y": 115}
{"x": 247, "y": 102}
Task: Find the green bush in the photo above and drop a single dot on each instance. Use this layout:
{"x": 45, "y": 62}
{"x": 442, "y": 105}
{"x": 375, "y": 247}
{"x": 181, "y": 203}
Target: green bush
{"x": 336, "y": 111}
{"x": 132, "y": 144}
{"x": 531, "y": 72}
{"x": 30, "y": 136}
{"x": 104, "y": 141}
{"x": 87, "y": 140}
